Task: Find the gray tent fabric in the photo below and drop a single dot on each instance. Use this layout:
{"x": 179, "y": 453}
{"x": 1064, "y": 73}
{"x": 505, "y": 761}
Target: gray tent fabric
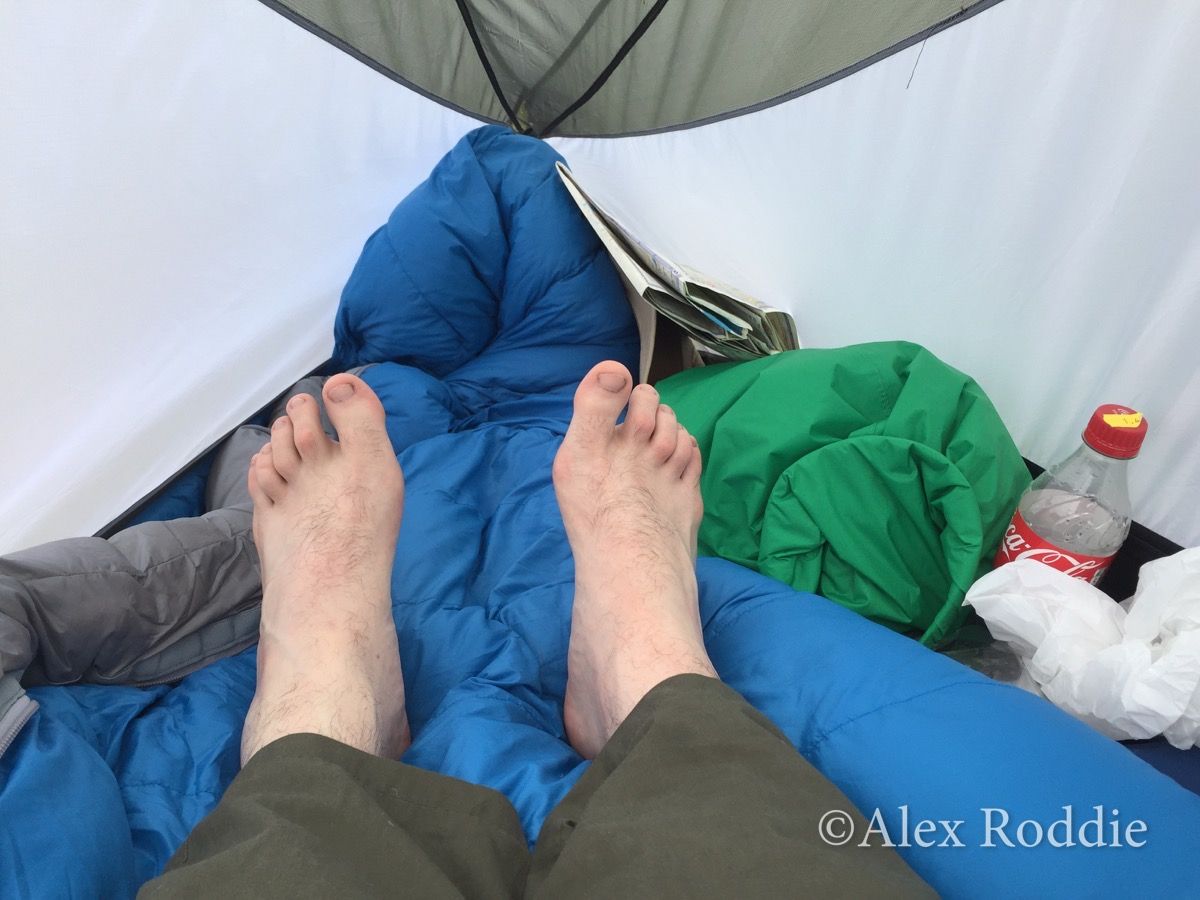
{"x": 618, "y": 67}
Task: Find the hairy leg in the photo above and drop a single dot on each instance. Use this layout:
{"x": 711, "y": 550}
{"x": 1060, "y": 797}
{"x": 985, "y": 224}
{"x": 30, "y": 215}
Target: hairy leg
{"x": 326, "y": 517}
{"x": 630, "y": 501}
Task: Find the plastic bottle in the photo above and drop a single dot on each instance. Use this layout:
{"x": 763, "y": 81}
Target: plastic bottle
{"x": 1076, "y": 515}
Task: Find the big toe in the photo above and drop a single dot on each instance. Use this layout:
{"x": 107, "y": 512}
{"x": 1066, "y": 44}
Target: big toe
{"x": 599, "y": 399}
{"x": 355, "y": 411}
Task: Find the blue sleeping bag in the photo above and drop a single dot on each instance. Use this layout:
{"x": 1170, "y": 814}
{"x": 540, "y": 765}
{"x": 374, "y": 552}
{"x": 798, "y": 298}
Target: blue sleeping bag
{"x": 481, "y": 303}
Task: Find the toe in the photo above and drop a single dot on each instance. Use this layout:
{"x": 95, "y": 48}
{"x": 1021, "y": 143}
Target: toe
{"x": 666, "y": 434}
{"x": 599, "y": 399}
{"x": 695, "y": 463}
{"x": 643, "y": 412}
{"x": 307, "y": 433}
{"x": 356, "y": 413}
{"x": 257, "y": 494}
{"x": 283, "y": 448}
{"x": 269, "y": 480}
{"x": 681, "y": 455}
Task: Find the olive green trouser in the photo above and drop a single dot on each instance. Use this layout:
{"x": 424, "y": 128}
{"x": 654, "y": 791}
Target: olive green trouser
{"x": 696, "y": 795}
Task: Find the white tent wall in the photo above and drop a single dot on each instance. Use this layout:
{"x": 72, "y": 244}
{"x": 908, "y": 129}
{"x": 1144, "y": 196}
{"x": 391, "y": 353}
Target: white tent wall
{"x": 1021, "y": 195}
{"x": 184, "y": 187}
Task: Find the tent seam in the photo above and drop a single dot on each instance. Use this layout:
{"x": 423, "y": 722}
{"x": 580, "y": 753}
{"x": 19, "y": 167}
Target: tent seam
{"x": 961, "y": 16}
{"x": 488, "y": 70}
{"x": 607, "y": 72}
{"x": 316, "y": 30}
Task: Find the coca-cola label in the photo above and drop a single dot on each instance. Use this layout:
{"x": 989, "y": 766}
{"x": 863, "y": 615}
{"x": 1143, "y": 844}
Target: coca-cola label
{"x": 1022, "y": 542}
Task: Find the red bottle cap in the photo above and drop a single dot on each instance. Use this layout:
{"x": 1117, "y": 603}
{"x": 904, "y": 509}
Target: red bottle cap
{"x": 1116, "y": 431}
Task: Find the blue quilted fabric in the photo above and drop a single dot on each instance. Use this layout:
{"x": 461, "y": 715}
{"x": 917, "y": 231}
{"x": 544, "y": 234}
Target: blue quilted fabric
{"x": 482, "y": 301}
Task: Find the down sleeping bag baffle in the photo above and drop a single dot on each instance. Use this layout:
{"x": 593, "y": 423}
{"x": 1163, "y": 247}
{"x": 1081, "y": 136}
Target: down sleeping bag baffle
{"x": 477, "y": 308}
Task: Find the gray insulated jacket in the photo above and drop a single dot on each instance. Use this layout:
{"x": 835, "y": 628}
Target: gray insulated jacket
{"x": 146, "y": 606}
{"x": 149, "y": 605}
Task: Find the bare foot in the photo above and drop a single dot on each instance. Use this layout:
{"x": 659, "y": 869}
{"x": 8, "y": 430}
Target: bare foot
{"x": 630, "y": 500}
{"x": 326, "y": 517}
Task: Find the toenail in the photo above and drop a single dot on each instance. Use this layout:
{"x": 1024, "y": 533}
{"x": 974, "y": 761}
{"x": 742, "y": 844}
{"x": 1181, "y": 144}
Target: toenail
{"x": 295, "y": 402}
{"x": 343, "y": 390}
{"x": 282, "y": 420}
{"x": 611, "y": 381}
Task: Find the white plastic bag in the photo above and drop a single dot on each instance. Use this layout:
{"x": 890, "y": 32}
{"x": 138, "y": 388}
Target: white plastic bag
{"x": 1130, "y": 670}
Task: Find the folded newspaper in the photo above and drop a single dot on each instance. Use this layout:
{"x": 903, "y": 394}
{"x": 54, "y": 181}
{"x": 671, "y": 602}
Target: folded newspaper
{"x": 719, "y": 318}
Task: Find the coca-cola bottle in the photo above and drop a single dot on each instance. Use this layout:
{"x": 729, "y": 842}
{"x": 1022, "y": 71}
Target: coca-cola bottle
{"x": 1076, "y": 515}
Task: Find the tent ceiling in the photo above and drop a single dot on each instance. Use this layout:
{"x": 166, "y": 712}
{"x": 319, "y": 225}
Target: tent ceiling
{"x": 616, "y": 67}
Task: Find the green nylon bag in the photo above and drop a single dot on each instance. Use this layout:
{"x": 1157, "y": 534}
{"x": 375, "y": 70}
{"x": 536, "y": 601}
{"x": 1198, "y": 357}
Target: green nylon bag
{"x": 875, "y": 475}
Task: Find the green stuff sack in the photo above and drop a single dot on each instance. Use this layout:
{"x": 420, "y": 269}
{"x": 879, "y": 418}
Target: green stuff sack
{"x": 875, "y": 475}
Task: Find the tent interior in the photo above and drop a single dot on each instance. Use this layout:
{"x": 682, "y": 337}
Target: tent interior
{"x": 187, "y": 186}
